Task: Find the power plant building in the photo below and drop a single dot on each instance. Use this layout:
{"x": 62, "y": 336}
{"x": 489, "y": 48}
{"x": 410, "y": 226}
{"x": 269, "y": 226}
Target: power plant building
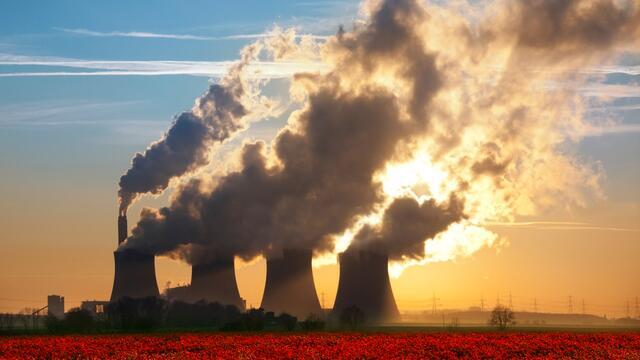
{"x": 135, "y": 273}
{"x": 55, "y": 306}
{"x": 364, "y": 283}
{"x": 289, "y": 286}
{"x": 215, "y": 281}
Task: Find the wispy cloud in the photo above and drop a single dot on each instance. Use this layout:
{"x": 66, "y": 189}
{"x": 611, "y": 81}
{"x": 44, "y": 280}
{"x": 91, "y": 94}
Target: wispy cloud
{"x": 613, "y": 129}
{"x": 152, "y": 35}
{"x": 60, "y": 112}
{"x": 134, "y": 34}
{"x": 261, "y": 69}
{"x": 557, "y": 225}
{"x": 611, "y": 91}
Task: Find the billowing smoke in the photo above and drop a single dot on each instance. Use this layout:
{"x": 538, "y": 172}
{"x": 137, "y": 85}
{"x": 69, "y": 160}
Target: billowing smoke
{"x": 406, "y": 224}
{"x": 217, "y": 115}
{"x": 318, "y": 176}
{"x": 423, "y": 110}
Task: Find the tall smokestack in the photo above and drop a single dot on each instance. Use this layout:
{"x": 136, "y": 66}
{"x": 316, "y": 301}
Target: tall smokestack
{"x": 364, "y": 283}
{"x": 215, "y": 281}
{"x": 135, "y": 272}
{"x": 122, "y": 228}
{"x": 289, "y": 286}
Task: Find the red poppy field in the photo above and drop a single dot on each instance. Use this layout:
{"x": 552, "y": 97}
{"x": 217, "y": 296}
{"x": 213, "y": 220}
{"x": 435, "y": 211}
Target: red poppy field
{"x": 327, "y": 346}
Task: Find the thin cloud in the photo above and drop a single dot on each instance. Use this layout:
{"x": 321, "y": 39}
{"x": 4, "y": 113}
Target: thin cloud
{"x": 60, "y": 112}
{"x": 259, "y": 69}
{"x": 613, "y": 129}
{"x": 134, "y": 34}
{"x": 557, "y": 225}
{"x": 152, "y": 35}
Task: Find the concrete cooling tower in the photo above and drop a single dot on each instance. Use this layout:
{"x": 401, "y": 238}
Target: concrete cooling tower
{"x": 364, "y": 282}
{"x": 135, "y": 272}
{"x": 216, "y": 282}
{"x": 289, "y": 286}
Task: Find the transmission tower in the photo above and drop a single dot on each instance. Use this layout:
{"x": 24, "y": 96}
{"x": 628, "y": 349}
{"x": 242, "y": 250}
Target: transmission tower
{"x": 628, "y": 310}
{"x": 637, "y": 308}
{"x": 535, "y": 305}
{"x": 583, "y": 308}
{"x": 482, "y": 303}
{"x": 510, "y": 301}
{"x": 570, "y": 304}
{"x": 498, "y": 299}
{"x": 434, "y": 304}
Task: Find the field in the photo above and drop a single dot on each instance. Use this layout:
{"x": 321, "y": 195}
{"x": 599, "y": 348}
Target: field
{"x": 474, "y": 345}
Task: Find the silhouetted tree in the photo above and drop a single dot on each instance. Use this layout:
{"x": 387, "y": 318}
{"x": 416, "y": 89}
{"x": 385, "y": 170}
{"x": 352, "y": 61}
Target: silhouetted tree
{"x": 77, "y": 320}
{"x": 254, "y": 319}
{"x": 288, "y": 322}
{"x": 138, "y": 314}
{"x": 352, "y": 317}
{"x": 201, "y": 314}
{"x": 312, "y": 323}
{"x": 501, "y": 317}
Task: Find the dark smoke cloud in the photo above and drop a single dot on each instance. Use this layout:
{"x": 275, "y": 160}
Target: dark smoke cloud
{"x": 574, "y": 27}
{"x": 325, "y": 161}
{"x": 406, "y": 225}
{"x": 216, "y": 116}
{"x": 381, "y": 97}
{"x": 323, "y": 181}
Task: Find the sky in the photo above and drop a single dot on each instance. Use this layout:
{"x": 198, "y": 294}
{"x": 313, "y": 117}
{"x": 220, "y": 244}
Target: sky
{"x": 86, "y": 85}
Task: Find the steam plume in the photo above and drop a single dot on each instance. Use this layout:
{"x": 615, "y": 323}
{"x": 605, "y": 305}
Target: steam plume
{"x": 423, "y": 110}
{"x": 217, "y": 115}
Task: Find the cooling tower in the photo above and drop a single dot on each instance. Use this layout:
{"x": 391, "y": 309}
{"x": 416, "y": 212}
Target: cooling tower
{"x": 364, "y": 282}
{"x": 135, "y": 272}
{"x": 289, "y": 286}
{"x": 216, "y": 281}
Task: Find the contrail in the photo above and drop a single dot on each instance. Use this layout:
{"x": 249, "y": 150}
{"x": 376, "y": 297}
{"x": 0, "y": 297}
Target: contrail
{"x": 152, "y": 35}
{"x": 255, "y": 70}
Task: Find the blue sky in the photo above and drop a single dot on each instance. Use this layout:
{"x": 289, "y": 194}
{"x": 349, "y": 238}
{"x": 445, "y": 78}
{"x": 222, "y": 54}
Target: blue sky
{"x": 64, "y": 117}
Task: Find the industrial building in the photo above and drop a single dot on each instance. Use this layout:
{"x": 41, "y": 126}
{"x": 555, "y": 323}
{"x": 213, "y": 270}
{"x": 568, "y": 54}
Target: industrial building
{"x": 215, "y": 281}
{"x": 95, "y": 307}
{"x": 135, "y": 273}
{"x": 364, "y": 282}
{"x": 289, "y": 286}
{"x": 55, "y": 306}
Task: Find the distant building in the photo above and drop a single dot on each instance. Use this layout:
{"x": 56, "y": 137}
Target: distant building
{"x": 55, "y": 306}
{"x": 95, "y": 307}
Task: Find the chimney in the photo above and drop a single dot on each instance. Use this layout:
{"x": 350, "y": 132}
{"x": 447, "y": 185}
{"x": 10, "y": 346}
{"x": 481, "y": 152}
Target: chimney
{"x": 135, "y": 272}
{"x": 215, "y": 281}
{"x": 364, "y": 282}
{"x": 122, "y": 228}
{"x": 289, "y": 286}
